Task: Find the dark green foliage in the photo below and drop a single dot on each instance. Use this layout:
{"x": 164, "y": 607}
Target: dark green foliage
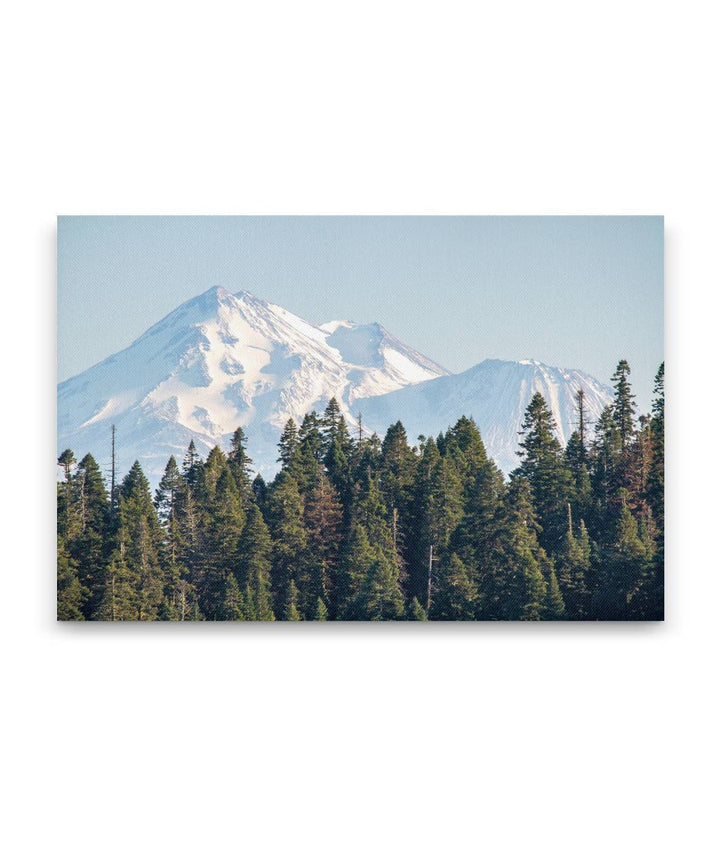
{"x": 573, "y": 568}
{"x": 354, "y": 566}
{"x": 139, "y": 545}
{"x": 71, "y": 596}
{"x": 554, "y": 603}
{"x": 241, "y": 466}
{"x": 254, "y": 567}
{"x": 453, "y": 596}
{"x": 233, "y": 604}
{"x": 222, "y": 518}
{"x": 359, "y": 529}
{"x": 416, "y": 612}
{"x": 290, "y": 611}
{"x": 290, "y": 558}
{"x": 380, "y": 597}
{"x": 321, "y": 611}
{"x": 624, "y": 405}
{"x": 544, "y": 467}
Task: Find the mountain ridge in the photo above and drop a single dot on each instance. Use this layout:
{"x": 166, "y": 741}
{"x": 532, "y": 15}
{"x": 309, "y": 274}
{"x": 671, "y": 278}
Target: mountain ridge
{"x": 220, "y": 360}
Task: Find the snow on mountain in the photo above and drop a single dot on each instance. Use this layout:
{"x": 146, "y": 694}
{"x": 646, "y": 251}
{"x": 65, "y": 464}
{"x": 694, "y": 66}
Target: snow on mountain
{"x": 222, "y": 360}
{"x": 495, "y": 393}
{"x": 386, "y": 363}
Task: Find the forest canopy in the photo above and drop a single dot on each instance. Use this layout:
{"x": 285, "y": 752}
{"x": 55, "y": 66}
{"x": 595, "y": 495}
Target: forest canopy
{"x": 359, "y": 528}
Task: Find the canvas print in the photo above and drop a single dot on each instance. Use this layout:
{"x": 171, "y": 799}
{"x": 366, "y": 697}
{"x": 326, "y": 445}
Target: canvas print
{"x": 360, "y": 419}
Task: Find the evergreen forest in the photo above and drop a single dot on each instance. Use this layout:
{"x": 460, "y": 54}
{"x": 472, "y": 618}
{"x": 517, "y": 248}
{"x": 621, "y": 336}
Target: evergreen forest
{"x": 355, "y": 528}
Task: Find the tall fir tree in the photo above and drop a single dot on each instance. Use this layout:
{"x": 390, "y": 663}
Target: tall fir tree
{"x": 544, "y": 468}
{"x": 240, "y": 464}
{"x": 453, "y": 595}
{"x": 255, "y": 565}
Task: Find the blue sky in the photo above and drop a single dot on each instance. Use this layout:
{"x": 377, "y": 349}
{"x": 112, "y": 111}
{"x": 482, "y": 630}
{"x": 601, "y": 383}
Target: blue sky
{"x": 578, "y": 292}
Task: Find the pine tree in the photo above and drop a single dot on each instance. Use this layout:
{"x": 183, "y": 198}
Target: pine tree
{"x": 89, "y": 545}
{"x": 192, "y": 465}
{"x": 454, "y": 595}
{"x": 512, "y": 586}
{"x": 354, "y": 566}
{"x": 121, "y": 599}
{"x": 290, "y": 541}
{"x": 624, "y": 404}
{"x": 168, "y": 498}
{"x": 259, "y": 489}
{"x": 290, "y": 610}
{"x": 323, "y": 520}
{"x": 606, "y": 470}
{"x": 380, "y": 597}
{"x": 478, "y": 530}
{"x": 65, "y": 495}
{"x": 573, "y": 566}
{"x": 543, "y": 466}
{"x": 336, "y": 445}
{"x": 623, "y": 570}
{"x": 254, "y": 566}
{"x": 656, "y": 476}
{"x": 465, "y": 444}
{"x": 71, "y": 595}
{"x": 321, "y": 612}
{"x": 241, "y": 466}
{"x": 554, "y": 603}
{"x": 223, "y": 519}
{"x": 416, "y": 612}
{"x": 139, "y": 539}
{"x": 233, "y": 604}
{"x": 289, "y": 445}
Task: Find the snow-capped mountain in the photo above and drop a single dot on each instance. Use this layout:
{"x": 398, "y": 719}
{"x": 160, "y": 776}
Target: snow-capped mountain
{"x": 222, "y": 360}
{"x": 495, "y": 393}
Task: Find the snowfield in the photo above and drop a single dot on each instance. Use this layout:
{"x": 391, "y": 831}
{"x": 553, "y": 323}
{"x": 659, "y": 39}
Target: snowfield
{"x": 222, "y": 360}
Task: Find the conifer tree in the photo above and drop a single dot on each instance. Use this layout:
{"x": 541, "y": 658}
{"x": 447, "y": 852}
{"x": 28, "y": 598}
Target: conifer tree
{"x": 259, "y": 489}
{"x": 192, "y": 465}
{"x": 380, "y": 597}
{"x": 543, "y": 466}
{"x": 290, "y": 610}
{"x": 573, "y": 566}
{"x": 254, "y": 566}
{"x": 71, "y": 595}
{"x": 512, "y": 586}
{"x": 120, "y": 599}
{"x": 416, "y": 612}
{"x": 288, "y": 446}
{"x": 139, "y": 540}
{"x": 233, "y": 604}
{"x": 241, "y": 466}
{"x": 656, "y": 476}
{"x": 464, "y": 442}
{"x": 454, "y": 595}
{"x": 290, "y": 542}
{"x": 89, "y": 545}
{"x": 353, "y": 569}
{"x": 65, "y": 495}
{"x": 323, "y": 520}
{"x": 606, "y": 473}
{"x": 554, "y": 603}
{"x": 168, "y": 498}
{"x": 623, "y": 569}
{"x": 624, "y": 404}
{"x": 223, "y": 519}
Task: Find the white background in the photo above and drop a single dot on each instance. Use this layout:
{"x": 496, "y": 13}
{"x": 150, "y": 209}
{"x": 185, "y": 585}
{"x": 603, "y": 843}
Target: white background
{"x": 390, "y": 739}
